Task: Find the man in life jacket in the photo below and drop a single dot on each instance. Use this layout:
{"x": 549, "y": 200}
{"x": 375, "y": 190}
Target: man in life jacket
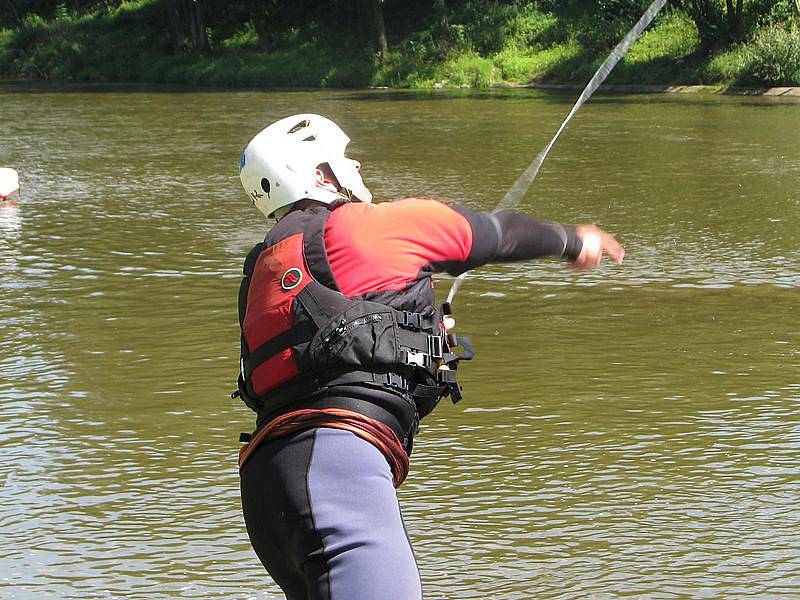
{"x": 344, "y": 351}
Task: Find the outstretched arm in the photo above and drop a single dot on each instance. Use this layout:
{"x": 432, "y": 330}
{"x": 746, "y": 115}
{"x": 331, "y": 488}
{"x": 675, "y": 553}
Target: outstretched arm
{"x": 505, "y": 236}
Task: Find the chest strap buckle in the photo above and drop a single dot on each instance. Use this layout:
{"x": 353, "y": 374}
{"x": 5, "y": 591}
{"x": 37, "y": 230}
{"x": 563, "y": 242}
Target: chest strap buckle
{"x": 415, "y": 359}
{"x": 412, "y": 320}
{"x": 397, "y": 381}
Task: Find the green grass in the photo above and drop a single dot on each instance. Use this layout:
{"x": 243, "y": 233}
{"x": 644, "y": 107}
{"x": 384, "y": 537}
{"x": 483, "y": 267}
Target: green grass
{"x": 494, "y": 44}
{"x": 667, "y": 52}
{"x": 770, "y": 57}
{"x": 520, "y": 66}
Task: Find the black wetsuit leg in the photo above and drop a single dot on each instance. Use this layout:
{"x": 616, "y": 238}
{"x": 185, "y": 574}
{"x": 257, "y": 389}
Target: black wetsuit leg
{"x": 323, "y": 518}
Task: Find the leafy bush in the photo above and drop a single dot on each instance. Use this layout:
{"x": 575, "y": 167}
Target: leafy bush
{"x": 469, "y": 69}
{"x": 774, "y": 55}
{"x": 729, "y": 67}
{"x": 490, "y": 27}
{"x": 525, "y": 68}
{"x": 483, "y": 25}
{"x": 771, "y": 57}
{"x": 675, "y": 38}
{"x": 769, "y": 12}
{"x": 530, "y": 28}
{"x": 600, "y": 24}
{"x": 6, "y": 64}
{"x": 247, "y": 37}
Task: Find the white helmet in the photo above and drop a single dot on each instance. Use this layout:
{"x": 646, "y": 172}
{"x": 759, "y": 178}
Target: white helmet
{"x": 278, "y": 166}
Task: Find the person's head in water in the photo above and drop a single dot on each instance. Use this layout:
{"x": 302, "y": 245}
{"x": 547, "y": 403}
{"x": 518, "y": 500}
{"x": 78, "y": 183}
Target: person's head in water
{"x": 300, "y": 160}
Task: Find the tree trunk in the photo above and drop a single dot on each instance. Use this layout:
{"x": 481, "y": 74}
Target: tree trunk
{"x": 197, "y": 26}
{"x": 261, "y": 25}
{"x": 712, "y": 21}
{"x": 372, "y": 26}
{"x": 441, "y": 14}
{"x": 18, "y": 17}
{"x": 444, "y": 34}
{"x": 734, "y": 20}
{"x": 730, "y": 13}
{"x": 379, "y": 28}
{"x": 175, "y": 20}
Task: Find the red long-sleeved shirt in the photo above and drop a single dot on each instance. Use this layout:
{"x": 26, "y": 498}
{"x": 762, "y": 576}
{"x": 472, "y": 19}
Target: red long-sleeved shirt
{"x": 382, "y": 247}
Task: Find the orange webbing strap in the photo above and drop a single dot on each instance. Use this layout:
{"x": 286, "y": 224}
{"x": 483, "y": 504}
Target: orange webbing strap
{"x": 376, "y": 433}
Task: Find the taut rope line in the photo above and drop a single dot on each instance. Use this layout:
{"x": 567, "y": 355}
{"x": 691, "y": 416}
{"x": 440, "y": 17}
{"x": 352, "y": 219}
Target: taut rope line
{"x": 524, "y": 181}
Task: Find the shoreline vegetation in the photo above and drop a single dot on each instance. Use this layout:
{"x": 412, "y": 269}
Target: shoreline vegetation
{"x": 729, "y": 46}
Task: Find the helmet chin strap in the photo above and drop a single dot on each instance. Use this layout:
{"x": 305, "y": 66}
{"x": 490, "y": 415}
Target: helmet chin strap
{"x": 348, "y": 182}
{"x": 344, "y": 193}
{"x": 347, "y": 194}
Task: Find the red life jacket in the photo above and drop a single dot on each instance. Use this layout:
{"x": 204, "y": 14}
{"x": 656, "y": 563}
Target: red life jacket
{"x": 302, "y": 336}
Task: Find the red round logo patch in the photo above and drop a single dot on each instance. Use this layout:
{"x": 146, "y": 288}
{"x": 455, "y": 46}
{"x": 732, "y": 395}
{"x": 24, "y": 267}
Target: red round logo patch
{"x": 291, "y": 278}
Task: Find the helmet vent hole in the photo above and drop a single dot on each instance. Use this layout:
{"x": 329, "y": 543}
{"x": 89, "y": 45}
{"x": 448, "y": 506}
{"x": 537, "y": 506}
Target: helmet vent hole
{"x": 265, "y": 185}
{"x": 310, "y": 138}
{"x": 301, "y": 125}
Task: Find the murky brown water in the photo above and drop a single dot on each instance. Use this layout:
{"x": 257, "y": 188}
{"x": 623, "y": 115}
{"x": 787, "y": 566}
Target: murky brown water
{"x": 631, "y": 432}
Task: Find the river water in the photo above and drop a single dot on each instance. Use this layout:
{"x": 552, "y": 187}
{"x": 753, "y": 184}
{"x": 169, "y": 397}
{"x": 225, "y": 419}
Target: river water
{"x": 634, "y": 431}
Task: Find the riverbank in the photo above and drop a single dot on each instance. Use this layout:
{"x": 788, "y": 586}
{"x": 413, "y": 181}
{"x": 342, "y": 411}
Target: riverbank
{"x": 783, "y": 91}
{"x": 118, "y": 86}
{"x": 518, "y": 45}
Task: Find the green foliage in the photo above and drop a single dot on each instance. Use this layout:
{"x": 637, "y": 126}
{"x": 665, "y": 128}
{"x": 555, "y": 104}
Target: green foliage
{"x": 6, "y": 64}
{"x": 602, "y": 28}
{"x": 675, "y": 38}
{"x": 774, "y": 56}
{"x": 490, "y": 27}
{"x": 721, "y": 26}
{"x": 778, "y": 11}
{"x": 484, "y": 27}
{"x": 729, "y": 66}
{"x": 524, "y": 68}
{"x": 247, "y": 37}
{"x": 666, "y": 53}
{"x": 709, "y": 18}
{"x": 529, "y": 28}
{"x": 771, "y": 57}
{"x": 469, "y": 69}
{"x": 481, "y": 43}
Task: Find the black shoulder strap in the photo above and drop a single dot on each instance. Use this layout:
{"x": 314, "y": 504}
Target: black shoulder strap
{"x": 314, "y": 248}
{"x": 302, "y": 332}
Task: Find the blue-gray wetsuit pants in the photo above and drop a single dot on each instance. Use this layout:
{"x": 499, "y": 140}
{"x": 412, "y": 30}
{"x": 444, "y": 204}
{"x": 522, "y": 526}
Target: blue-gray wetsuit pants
{"x": 323, "y": 517}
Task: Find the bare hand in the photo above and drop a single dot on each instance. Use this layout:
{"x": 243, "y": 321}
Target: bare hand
{"x": 596, "y": 242}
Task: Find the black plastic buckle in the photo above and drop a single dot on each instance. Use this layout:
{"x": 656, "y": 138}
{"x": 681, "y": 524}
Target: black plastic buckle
{"x": 245, "y": 438}
{"x": 397, "y": 381}
{"x": 415, "y": 359}
{"x": 413, "y": 320}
